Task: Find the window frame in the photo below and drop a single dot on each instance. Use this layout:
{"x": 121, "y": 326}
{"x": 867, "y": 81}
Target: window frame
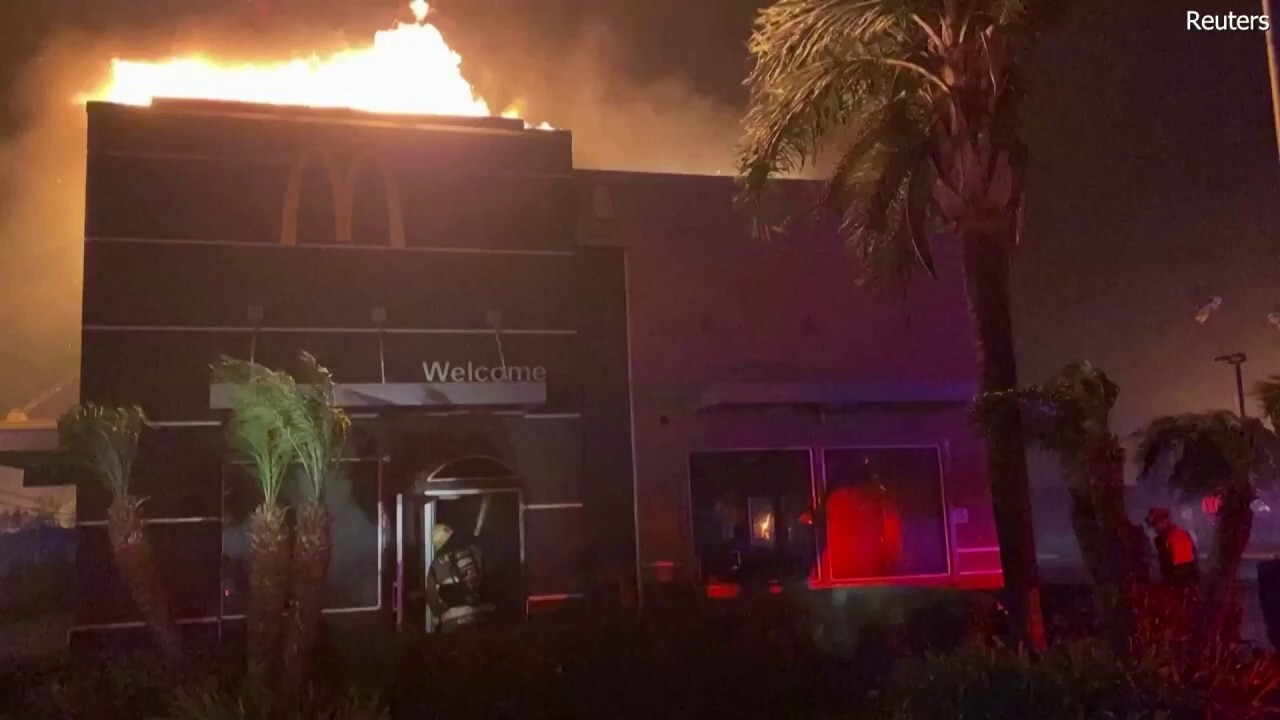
{"x": 814, "y": 577}
{"x": 939, "y": 450}
{"x": 822, "y": 576}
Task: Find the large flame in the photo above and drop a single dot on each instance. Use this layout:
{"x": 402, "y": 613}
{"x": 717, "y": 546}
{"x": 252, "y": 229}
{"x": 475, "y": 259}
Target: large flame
{"x": 407, "y": 70}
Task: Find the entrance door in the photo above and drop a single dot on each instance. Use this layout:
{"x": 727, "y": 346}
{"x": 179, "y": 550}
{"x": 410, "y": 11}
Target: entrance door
{"x": 488, "y": 519}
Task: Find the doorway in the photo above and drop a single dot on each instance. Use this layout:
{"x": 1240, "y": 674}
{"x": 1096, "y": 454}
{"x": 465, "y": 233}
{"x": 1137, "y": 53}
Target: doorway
{"x": 487, "y": 512}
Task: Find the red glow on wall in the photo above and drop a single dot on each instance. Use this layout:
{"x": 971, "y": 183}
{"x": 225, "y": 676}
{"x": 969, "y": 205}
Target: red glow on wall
{"x": 864, "y": 533}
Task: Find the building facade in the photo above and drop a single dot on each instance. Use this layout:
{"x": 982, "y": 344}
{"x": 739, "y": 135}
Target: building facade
{"x": 603, "y": 375}
{"x": 784, "y": 414}
{"x": 419, "y": 264}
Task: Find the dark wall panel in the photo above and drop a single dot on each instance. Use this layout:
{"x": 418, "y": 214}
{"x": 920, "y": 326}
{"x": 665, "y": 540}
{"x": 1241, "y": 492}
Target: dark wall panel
{"x": 185, "y": 555}
{"x": 178, "y": 472}
{"x": 608, "y": 474}
{"x": 138, "y": 197}
{"x": 485, "y": 212}
{"x": 548, "y": 453}
{"x": 213, "y": 285}
{"x": 351, "y": 358}
{"x": 179, "y": 198}
{"x": 556, "y": 543}
{"x": 165, "y": 373}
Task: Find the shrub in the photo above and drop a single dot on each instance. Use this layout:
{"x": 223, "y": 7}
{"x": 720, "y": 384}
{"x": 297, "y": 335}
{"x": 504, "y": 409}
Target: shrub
{"x": 244, "y": 704}
{"x": 1079, "y": 680}
{"x": 1232, "y": 679}
{"x": 107, "y": 686}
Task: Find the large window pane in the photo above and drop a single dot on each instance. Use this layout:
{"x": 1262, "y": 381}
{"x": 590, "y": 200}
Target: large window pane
{"x": 749, "y": 515}
{"x": 884, "y": 513}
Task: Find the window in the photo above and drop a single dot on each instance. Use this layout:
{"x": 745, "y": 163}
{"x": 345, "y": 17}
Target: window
{"x": 884, "y": 514}
{"x": 751, "y": 513}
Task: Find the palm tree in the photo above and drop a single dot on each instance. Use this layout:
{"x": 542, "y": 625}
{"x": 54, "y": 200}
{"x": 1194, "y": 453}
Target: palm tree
{"x": 257, "y": 431}
{"x": 317, "y": 430}
{"x": 1214, "y": 453}
{"x": 1070, "y": 416}
{"x": 925, "y": 95}
{"x": 104, "y": 441}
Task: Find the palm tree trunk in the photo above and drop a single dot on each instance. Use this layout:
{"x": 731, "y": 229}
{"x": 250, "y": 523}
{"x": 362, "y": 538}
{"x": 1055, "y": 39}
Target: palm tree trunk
{"x": 268, "y": 589}
{"x": 133, "y": 556}
{"x": 986, "y": 272}
{"x": 308, "y": 582}
{"x": 1221, "y": 586}
{"x": 1084, "y": 524}
{"x": 1115, "y": 588}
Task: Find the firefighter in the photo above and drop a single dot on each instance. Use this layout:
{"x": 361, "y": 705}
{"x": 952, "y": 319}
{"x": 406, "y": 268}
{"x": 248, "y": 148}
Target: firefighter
{"x": 455, "y": 581}
{"x": 1175, "y": 550}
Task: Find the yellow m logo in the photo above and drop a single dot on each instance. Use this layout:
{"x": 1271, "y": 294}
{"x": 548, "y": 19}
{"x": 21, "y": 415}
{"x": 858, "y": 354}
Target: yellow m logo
{"x": 344, "y": 191}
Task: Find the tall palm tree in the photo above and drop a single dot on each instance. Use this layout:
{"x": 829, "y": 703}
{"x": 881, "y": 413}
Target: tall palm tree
{"x": 1214, "y": 453}
{"x": 317, "y": 429}
{"x": 924, "y": 94}
{"x": 257, "y": 430}
{"x": 1071, "y": 417}
{"x": 104, "y": 441}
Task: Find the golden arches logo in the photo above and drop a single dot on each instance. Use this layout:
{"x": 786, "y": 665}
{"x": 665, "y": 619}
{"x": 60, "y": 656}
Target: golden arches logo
{"x": 344, "y": 195}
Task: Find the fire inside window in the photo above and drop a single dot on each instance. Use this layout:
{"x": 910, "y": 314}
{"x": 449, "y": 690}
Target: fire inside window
{"x": 762, "y": 524}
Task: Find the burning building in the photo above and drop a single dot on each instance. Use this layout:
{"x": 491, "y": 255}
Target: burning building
{"x": 603, "y": 375}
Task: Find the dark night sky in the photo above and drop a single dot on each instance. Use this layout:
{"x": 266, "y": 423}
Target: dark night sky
{"x": 1154, "y": 181}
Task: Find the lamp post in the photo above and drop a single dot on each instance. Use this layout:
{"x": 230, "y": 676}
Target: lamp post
{"x": 1236, "y": 360}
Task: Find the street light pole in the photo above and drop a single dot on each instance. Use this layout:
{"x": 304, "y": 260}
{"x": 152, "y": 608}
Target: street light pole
{"x": 1236, "y": 360}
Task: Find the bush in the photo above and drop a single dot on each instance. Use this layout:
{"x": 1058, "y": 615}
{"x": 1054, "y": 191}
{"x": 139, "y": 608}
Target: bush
{"x": 243, "y": 704}
{"x": 1081, "y": 680}
{"x": 1085, "y": 679}
{"x": 109, "y": 686}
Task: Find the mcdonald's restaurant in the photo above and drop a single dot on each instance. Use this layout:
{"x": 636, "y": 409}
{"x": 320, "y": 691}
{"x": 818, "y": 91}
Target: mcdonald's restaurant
{"x": 603, "y": 376}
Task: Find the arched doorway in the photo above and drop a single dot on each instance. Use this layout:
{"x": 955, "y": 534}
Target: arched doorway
{"x": 481, "y": 499}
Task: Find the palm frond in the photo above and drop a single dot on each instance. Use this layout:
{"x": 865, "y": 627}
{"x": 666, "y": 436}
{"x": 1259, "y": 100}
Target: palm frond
{"x": 882, "y": 189}
{"x": 911, "y": 85}
{"x": 103, "y": 441}
{"x": 317, "y": 428}
{"x": 1063, "y": 416}
{"x": 1195, "y": 453}
{"x": 1049, "y": 420}
{"x": 856, "y": 67}
{"x": 822, "y": 65}
{"x": 261, "y": 402}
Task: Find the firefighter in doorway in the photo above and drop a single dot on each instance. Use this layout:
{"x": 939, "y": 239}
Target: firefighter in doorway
{"x": 1175, "y": 550}
{"x": 455, "y": 581}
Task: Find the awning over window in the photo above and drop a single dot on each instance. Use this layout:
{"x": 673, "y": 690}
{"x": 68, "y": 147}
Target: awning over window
{"x": 834, "y": 394}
